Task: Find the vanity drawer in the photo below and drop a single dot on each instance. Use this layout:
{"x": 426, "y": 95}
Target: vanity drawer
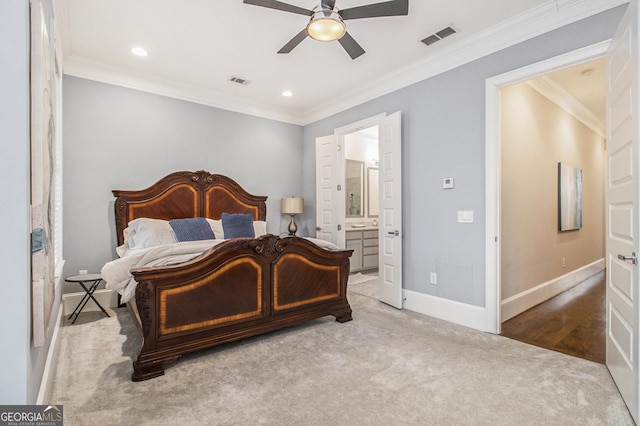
{"x": 370, "y": 261}
{"x": 353, "y": 235}
{"x": 370, "y": 234}
{"x": 370, "y": 250}
{"x": 370, "y": 242}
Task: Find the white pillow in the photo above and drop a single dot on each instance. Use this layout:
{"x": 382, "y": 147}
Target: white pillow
{"x": 259, "y": 228}
{"x": 144, "y": 232}
{"x": 216, "y": 227}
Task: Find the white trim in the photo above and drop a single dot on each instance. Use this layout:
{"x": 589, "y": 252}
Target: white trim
{"x": 559, "y": 96}
{"x": 106, "y": 73}
{"x": 449, "y": 310}
{"x": 106, "y": 298}
{"x": 549, "y": 16}
{"x": 48, "y": 374}
{"x": 527, "y": 299}
{"x": 492, "y": 162}
{"x": 360, "y": 125}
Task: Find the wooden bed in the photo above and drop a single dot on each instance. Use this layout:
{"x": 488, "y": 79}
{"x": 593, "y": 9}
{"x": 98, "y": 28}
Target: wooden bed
{"x": 240, "y": 288}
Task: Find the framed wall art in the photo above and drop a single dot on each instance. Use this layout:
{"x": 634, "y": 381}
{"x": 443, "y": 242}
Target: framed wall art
{"x": 569, "y": 197}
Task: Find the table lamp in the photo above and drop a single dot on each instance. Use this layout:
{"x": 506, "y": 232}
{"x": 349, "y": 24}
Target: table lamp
{"x": 292, "y": 206}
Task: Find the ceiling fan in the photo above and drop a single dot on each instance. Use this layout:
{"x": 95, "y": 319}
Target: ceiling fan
{"x": 326, "y": 22}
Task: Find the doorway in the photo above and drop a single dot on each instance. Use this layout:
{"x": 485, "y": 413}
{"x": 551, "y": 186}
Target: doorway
{"x": 361, "y": 183}
{"x": 551, "y": 123}
{"x": 331, "y": 198}
{"x": 495, "y": 303}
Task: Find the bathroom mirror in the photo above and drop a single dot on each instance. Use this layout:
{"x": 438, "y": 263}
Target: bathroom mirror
{"x": 372, "y": 191}
{"x": 354, "y": 191}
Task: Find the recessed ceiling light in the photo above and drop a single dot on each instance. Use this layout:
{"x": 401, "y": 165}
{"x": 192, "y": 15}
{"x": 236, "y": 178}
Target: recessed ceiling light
{"x": 139, "y": 51}
{"x": 287, "y": 93}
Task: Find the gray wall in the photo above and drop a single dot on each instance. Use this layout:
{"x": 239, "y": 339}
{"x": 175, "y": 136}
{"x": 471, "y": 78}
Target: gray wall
{"x": 117, "y": 138}
{"x": 14, "y": 122}
{"x": 443, "y": 133}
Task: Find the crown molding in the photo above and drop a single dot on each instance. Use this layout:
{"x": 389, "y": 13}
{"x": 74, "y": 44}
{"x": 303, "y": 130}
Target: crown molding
{"x": 545, "y": 18}
{"x": 93, "y": 70}
{"x": 549, "y": 16}
{"x": 558, "y": 95}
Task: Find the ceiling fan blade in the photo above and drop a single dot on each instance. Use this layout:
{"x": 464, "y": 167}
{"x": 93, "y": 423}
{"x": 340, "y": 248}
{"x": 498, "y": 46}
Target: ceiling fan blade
{"x": 294, "y": 42}
{"x": 387, "y": 8}
{"x": 328, "y": 4}
{"x": 278, "y": 5}
{"x": 351, "y": 46}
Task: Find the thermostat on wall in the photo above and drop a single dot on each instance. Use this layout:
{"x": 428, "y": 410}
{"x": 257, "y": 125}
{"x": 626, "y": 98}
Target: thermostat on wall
{"x": 447, "y": 183}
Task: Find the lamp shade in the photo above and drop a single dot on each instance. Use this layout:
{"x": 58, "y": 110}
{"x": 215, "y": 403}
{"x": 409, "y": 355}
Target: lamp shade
{"x": 292, "y": 205}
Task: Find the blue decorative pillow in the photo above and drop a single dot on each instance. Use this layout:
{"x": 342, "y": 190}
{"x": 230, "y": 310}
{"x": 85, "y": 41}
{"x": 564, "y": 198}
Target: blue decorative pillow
{"x": 192, "y": 229}
{"x": 237, "y": 225}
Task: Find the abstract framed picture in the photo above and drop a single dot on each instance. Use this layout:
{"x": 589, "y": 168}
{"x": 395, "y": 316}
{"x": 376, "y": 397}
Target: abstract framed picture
{"x": 569, "y": 197}
{"x": 42, "y": 175}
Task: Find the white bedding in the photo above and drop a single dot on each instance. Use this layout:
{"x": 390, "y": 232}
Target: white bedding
{"x": 117, "y": 273}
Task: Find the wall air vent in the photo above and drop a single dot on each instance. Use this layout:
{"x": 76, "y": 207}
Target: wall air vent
{"x": 446, "y": 32}
{"x": 239, "y": 81}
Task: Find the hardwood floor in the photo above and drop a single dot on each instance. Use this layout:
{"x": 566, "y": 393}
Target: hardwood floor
{"x": 573, "y": 322}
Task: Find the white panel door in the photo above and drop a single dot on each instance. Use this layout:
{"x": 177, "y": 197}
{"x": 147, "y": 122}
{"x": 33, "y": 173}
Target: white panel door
{"x": 623, "y": 217}
{"x": 390, "y": 204}
{"x": 327, "y": 219}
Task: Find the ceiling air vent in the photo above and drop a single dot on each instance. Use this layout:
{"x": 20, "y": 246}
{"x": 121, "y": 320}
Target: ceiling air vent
{"x": 240, "y": 81}
{"x": 439, "y": 36}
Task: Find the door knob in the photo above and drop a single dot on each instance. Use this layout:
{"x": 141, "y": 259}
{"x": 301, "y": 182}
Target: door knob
{"x": 396, "y": 232}
{"x": 633, "y": 258}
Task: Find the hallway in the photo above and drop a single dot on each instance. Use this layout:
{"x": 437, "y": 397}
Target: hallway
{"x": 573, "y": 322}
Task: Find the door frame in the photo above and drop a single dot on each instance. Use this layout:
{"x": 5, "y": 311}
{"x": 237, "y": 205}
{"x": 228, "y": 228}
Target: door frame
{"x": 493, "y": 173}
{"x": 340, "y": 134}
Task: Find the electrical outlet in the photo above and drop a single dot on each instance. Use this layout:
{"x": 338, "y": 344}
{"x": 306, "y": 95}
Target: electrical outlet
{"x": 83, "y": 272}
{"x": 434, "y": 278}
{"x": 564, "y": 262}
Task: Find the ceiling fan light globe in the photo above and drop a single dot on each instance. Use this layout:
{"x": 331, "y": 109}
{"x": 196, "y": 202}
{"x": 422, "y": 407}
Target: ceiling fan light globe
{"x": 326, "y": 28}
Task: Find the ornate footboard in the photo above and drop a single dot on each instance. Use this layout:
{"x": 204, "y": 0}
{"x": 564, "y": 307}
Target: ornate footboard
{"x": 238, "y": 289}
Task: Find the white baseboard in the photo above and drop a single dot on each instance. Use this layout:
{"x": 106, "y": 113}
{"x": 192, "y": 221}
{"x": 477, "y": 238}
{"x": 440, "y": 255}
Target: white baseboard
{"x": 44, "y": 393}
{"x": 107, "y": 298}
{"x": 527, "y": 299}
{"x": 471, "y": 316}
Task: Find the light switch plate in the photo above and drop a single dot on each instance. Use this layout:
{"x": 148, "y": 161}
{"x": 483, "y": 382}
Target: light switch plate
{"x": 465, "y": 216}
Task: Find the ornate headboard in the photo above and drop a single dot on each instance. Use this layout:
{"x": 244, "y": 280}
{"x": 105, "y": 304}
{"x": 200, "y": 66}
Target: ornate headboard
{"x": 186, "y": 194}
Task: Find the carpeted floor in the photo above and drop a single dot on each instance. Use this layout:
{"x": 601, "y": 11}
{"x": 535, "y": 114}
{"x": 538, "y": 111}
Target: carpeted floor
{"x": 386, "y": 367}
{"x": 365, "y": 284}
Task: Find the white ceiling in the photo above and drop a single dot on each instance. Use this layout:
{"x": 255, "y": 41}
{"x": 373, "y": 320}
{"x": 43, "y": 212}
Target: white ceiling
{"x": 587, "y": 84}
{"x": 195, "y": 46}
